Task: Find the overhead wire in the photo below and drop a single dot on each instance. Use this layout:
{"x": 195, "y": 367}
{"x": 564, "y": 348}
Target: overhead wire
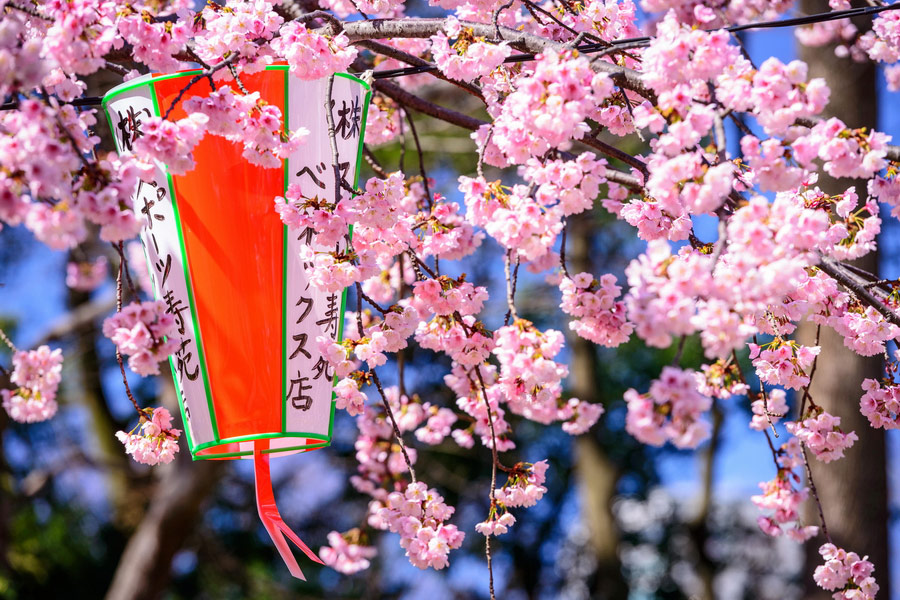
{"x": 593, "y": 47}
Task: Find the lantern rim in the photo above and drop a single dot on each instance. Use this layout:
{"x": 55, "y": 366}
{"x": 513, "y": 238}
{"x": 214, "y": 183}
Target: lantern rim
{"x": 127, "y": 86}
{"x": 319, "y": 441}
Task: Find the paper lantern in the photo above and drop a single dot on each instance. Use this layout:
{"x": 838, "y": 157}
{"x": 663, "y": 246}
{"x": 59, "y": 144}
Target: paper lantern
{"x": 249, "y": 376}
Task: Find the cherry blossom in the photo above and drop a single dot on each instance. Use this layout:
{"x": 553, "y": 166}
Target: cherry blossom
{"x": 86, "y": 276}
{"x": 37, "y": 373}
{"x": 846, "y": 574}
{"x": 670, "y": 411}
{"x": 153, "y": 440}
{"x": 345, "y": 552}
{"x": 881, "y": 404}
{"x": 144, "y": 332}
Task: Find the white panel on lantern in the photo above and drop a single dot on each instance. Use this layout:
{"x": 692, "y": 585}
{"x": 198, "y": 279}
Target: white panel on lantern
{"x": 153, "y": 205}
{"x": 309, "y": 312}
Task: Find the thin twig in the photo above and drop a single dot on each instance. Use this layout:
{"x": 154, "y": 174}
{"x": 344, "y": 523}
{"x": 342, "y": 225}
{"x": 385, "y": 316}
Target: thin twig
{"x": 5, "y": 339}
{"x": 118, "y": 353}
{"x": 815, "y": 494}
{"x": 494, "y": 462}
{"x": 412, "y": 129}
{"x": 834, "y": 269}
{"x": 396, "y": 428}
{"x": 812, "y": 373}
{"x": 510, "y": 290}
{"x": 562, "y": 249}
{"x": 363, "y": 295}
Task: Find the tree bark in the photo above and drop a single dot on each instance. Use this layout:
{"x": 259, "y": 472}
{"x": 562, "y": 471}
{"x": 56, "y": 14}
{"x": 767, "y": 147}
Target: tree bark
{"x": 174, "y": 510}
{"x": 144, "y": 570}
{"x": 853, "y": 490}
{"x": 596, "y": 473}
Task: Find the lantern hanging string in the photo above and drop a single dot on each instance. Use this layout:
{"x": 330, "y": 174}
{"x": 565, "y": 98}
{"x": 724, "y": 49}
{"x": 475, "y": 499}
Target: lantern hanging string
{"x": 592, "y": 47}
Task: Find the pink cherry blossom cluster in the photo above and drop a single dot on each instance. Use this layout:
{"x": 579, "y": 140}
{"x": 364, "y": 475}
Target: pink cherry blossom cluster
{"x": 383, "y": 122}
{"x": 347, "y": 552}
{"x": 44, "y": 186}
{"x": 476, "y": 400}
{"x": 245, "y": 119}
{"x": 86, "y": 276}
{"x": 548, "y": 106}
{"x": 882, "y": 44}
{"x": 154, "y": 42}
{"x": 881, "y": 403}
{"x": 419, "y": 515}
{"x": 446, "y": 235}
{"x": 465, "y": 341}
{"x": 698, "y": 12}
{"x": 438, "y": 426}
{"x": 349, "y": 397}
{"x": 784, "y": 496}
{"x": 382, "y": 465}
{"x": 768, "y": 409}
{"x": 599, "y": 317}
{"x": 777, "y": 94}
{"x": 671, "y": 411}
{"x": 154, "y": 440}
{"x": 680, "y": 59}
{"x": 498, "y": 522}
{"x": 468, "y": 58}
{"x": 312, "y": 55}
{"x": 845, "y": 152}
{"x": 864, "y": 330}
{"x": 722, "y": 379}
{"x": 821, "y": 433}
{"x": 144, "y": 332}
{"x": 299, "y": 212}
{"x": 445, "y": 296}
{"x": 607, "y": 19}
{"x": 390, "y": 334}
{"x": 21, "y": 67}
{"x": 661, "y": 300}
{"x": 531, "y": 381}
{"x": 372, "y": 8}
{"x": 234, "y": 29}
{"x": 524, "y": 487}
{"x": 37, "y": 374}
{"x": 528, "y": 218}
{"x": 565, "y": 187}
{"x": 79, "y": 34}
{"x": 171, "y": 143}
{"x": 782, "y": 362}
{"x": 846, "y": 574}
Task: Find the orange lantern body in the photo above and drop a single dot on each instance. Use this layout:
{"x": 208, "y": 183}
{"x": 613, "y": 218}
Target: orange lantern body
{"x": 249, "y": 375}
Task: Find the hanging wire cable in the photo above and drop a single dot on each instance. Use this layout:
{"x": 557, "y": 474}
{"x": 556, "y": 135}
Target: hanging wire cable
{"x": 595, "y": 46}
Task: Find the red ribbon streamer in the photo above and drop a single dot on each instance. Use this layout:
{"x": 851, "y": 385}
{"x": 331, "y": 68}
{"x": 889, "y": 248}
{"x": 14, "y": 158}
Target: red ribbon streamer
{"x": 271, "y": 518}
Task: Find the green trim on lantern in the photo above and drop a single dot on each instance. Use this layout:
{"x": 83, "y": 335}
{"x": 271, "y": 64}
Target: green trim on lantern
{"x": 187, "y": 431}
{"x": 198, "y": 336}
{"x": 123, "y": 87}
{"x": 189, "y": 286}
{"x": 323, "y": 441}
{"x": 142, "y": 81}
{"x": 359, "y": 155}
{"x": 246, "y": 453}
{"x": 367, "y": 87}
{"x": 284, "y": 262}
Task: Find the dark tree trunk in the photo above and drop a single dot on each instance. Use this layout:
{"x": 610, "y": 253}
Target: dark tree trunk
{"x": 596, "y": 473}
{"x": 173, "y": 514}
{"x": 853, "y": 490}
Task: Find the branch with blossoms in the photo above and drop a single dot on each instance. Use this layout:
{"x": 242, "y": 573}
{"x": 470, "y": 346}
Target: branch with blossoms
{"x": 585, "y": 79}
